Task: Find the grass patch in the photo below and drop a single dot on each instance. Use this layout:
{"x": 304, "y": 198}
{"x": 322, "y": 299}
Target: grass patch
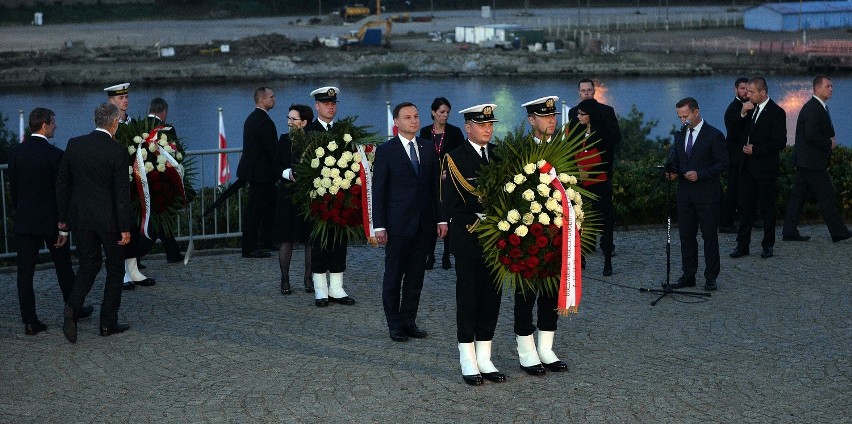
{"x": 384, "y": 69}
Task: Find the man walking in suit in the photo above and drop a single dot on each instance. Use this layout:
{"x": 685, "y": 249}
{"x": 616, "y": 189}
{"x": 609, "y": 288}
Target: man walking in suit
{"x": 328, "y": 257}
{"x": 92, "y": 196}
{"x": 158, "y": 112}
{"x": 258, "y": 167}
{"x": 815, "y": 139}
{"x": 405, "y": 208}
{"x": 764, "y": 138}
{"x": 737, "y": 116}
{"x": 477, "y": 288}
{"x": 33, "y": 165}
{"x": 698, "y": 159}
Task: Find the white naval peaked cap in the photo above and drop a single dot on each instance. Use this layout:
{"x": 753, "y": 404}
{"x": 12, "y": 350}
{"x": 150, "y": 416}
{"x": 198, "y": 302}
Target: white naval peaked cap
{"x": 480, "y": 113}
{"x": 118, "y": 89}
{"x": 325, "y": 94}
{"x": 544, "y": 106}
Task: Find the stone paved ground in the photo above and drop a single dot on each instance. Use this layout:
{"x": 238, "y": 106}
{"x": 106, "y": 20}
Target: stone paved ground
{"x": 213, "y": 341}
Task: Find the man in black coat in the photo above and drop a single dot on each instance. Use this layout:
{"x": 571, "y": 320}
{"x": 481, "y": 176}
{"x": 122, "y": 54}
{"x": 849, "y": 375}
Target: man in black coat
{"x": 477, "y": 292}
{"x": 405, "y": 209}
{"x": 258, "y": 167}
{"x": 699, "y": 157}
{"x": 93, "y": 200}
{"x": 33, "y": 165}
{"x": 737, "y": 117}
{"x": 158, "y": 112}
{"x": 815, "y": 139}
{"x": 764, "y": 138}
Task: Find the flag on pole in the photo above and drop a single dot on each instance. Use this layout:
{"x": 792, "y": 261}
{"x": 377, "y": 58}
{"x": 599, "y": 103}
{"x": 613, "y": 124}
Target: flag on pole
{"x": 565, "y": 117}
{"x": 21, "y": 126}
{"x": 392, "y": 129}
{"x": 224, "y": 172}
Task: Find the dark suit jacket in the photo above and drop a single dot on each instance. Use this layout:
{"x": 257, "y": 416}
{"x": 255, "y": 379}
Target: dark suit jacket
{"x": 813, "y": 137}
{"x": 284, "y": 156}
{"x": 402, "y": 199}
{"x": 709, "y": 158}
{"x": 92, "y": 186}
{"x": 735, "y": 125}
{"x": 768, "y": 137}
{"x": 314, "y": 126}
{"x": 610, "y": 134}
{"x": 453, "y": 138}
{"x": 33, "y": 166}
{"x": 459, "y": 206}
{"x": 260, "y": 143}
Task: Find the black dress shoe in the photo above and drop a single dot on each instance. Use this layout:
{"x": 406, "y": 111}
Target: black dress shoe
{"x": 710, "y": 284}
{"x": 346, "y": 300}
{"x": 309, "y": 289}
{"x": 557, "y": 366}
{"x": 494, "y": 377}
{"x": 730, "y": 229}
{"x": 128, "y": 285}
{"x": 34, "y": 328}
{"x": 607, "y": 271}
{"x": 115, "y": 329}
{"x": 148, "y": 282}
{"x": 321, "y": 303}
{"x": 684, "y": 281}
{"x": 445, "y": 263}
{"x": 257, "y": 254}
{"x": 739, "y": 252}
{"x": 285, "y": 286}
{"x": 767, "y": 253}
{"x": 534, "y": 370}
{"x": 175, "y": 259}
{"x": 415, "y": 332}
{"x": 473, "y": 380}
{"x": 398, "y": 335}
{"x": 841, "y": 238}
{"x": 69, "y": 324}
{"x": 86, "y": 312}
{"x": 796, "y": 237}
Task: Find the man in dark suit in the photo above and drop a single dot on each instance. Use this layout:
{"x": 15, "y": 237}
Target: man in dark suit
{"x": 699, "y": 157}
{"x": 258, "y": 167}
{"x": 609, "y": 135}
{"x": 158, "y": 112}
{"x": 764, "y": 138}
{"x": 93, "y": 200}
{"x": 405, "y": 208}
{"x": 328, "y": 257}
{"x": 33, "y": 165}
{"x": 737, "y": 117}
{"x": 815, "y": 139}
{"x": 477, "y": 289}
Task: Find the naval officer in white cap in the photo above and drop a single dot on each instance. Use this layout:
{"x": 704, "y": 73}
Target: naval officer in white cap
{"x": 119, "y": 95}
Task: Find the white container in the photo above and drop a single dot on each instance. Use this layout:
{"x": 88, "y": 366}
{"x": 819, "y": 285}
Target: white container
{"x": 486, "y": 12}
{"x": 38, "y": 19}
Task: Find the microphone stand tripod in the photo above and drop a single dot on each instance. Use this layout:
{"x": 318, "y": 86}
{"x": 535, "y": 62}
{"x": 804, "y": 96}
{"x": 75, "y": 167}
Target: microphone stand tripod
{"x": 667, "y": 288}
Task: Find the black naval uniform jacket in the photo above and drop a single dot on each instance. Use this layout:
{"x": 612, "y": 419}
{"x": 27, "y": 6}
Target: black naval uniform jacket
{"x": 460, "y": 206}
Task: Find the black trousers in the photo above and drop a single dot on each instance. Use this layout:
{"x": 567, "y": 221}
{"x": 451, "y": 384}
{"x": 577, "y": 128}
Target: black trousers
{"x": 28, "y": 247}
{"x": 809, "y": 181}
{"x": 433, "y": 243}
{"x": 547, "y": 316}
{"x": 89, "y": 245}
{"x": 258, "y": 217}
{"x": 699, "y": 209}
{"x": 329, "y": 258}
{"x": 604, "y": 206}
{"x": 403, "y": 280}
{"x": 753, "y": 189}
{"x": 477, "y": 300}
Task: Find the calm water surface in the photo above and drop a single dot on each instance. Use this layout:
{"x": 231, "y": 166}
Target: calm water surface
{"x": 193, "y": 108}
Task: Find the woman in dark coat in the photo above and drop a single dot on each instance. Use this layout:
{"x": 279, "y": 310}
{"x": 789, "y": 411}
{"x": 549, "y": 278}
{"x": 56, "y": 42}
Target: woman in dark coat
{"x": 291, "y": 227}
{"x": 446, "y": 138}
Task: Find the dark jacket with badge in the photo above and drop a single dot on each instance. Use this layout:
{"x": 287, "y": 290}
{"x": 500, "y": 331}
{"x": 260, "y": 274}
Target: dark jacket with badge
{"x": 459, "y": 204}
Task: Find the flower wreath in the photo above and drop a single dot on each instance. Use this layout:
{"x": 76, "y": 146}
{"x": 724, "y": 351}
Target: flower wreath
{"x": 533, "y": 198}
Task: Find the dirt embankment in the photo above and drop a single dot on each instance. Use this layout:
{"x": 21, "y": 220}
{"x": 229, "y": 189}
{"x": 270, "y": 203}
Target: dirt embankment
{"x": 274, "y": 56}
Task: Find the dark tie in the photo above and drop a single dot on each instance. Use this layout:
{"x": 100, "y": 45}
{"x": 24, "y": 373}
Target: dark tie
{"x": 756, "y": 112}
{"x": 482, "y": 153}
{"x": 414, "y": 161}
{"x": 689, "y": 143}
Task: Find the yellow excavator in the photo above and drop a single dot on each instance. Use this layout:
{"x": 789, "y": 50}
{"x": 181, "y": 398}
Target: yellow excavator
{"x": 363, "y": 37}
{"x": 358, "y": 11}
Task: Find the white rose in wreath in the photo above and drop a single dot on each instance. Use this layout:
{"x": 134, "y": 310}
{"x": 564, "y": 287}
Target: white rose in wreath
{"x": 503, "y": 226}
{"x": 345, "y": 184}
{"x": 138, "y": 139}
{"x": 519, "y": 179}
{"x": 161, "y": 167}
{"x": 332, "y": 146}
{"x": 521, "y": 231}
{"x": 321, "y": 191}
{"x": 509, "y": 187}
{"x": 543, "y": 190}
{"x": 557, "y": 221}
{"x": 329, "y": 161}
{"x": 131, "y": 149}
{"x": 535, "y": 207}
{"x": 315, "y": 163}
{"x": 149, "y": 167}
{"x": 528, "y": 218}
{"x": 317, "y": 182}
{"x": 347, "y": 138}
{"x": 513, "y": 216}
{"x": 355, "y": 167}
{"x": 544, "y": 178}
{"x": 529, "y": 168}
{"x": 544, "y": 219}
{"x": 320, "y": 152}
{"x": 528, "y": 195}
{"x": 333, "y": 190}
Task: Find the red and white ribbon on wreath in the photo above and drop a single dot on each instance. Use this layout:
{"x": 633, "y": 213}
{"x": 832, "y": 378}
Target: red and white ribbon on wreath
{"x": 142, "y": 176}
{"x": 570, "y": 276}
{"x": 366, "y": 177}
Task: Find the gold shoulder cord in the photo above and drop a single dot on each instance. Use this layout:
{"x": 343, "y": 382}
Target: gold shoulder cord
{"x": 459, "y": 180}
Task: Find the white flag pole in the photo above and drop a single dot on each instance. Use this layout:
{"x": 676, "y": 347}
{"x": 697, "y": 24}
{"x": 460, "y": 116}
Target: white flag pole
{"x": 21, "y": 135}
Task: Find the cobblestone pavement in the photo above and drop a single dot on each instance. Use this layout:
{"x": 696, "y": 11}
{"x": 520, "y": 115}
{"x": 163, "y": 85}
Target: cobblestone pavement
{"x": 214, "y": 341}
